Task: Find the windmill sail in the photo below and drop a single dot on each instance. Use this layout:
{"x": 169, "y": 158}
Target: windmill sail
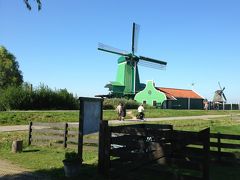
{"x": 151, "y": 63}
{"x": 111, "y": 49}
{"x": 224, "y": 97}
{"x": 127, "y": 81}
{"x": 135, "y": 34}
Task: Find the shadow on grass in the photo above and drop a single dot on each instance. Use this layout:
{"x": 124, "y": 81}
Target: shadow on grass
{"x": 30, "y": 150}
{"x": 90, "y": 172}
{"x": 87, "y": 172}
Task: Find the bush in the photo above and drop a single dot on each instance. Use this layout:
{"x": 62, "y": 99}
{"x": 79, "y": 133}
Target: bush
{"x": 41, "y": 98}
{"x": 112, "y": 103}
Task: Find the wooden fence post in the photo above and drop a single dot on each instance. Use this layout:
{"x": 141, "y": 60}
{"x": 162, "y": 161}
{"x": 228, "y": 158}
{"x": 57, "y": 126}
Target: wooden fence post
{"x": 219, "y": 145}
{"x": 104, "y": 149}
{"x": 17, "y": 146}
{"x": 65, "y": 135}
{"x": 205, "y": 138}
{"x": 30, "y": 133}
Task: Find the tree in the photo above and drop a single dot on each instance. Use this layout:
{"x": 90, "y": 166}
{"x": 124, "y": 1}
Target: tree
{"x": 29, "y": 6}
{"x": 10, "y": 75}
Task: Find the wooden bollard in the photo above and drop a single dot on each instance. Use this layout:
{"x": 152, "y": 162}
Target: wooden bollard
{"x": 17, "y": 146}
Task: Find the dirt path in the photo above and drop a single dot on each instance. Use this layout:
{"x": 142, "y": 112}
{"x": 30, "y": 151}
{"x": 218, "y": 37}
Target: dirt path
{"x": 6, "y": 167}
{"x": 206, "y": 117}
{"x": 133, "y": 120}
{"x": 11, "y": 171}
{"x": 130, "y": 113}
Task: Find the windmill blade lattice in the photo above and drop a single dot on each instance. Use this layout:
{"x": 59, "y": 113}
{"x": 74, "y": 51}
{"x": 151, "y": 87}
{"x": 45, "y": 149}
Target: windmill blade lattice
{"x": 152, "y": 63}
{"x": 110, "y": 49}
{"x": 224, "y": 97}
{"x": 135, "y": 34}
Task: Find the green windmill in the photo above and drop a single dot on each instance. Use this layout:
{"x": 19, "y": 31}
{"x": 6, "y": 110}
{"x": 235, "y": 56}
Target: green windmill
{"x": 127, "y": 81}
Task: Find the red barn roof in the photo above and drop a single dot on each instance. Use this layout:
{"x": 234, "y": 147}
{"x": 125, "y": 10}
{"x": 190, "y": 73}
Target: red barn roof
{"x": 173, "y": 93}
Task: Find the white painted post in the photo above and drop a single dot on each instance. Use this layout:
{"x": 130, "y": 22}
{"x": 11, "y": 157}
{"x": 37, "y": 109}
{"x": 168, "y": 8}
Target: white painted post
{"x": 189, "y": 103}
{"x": 231, "y": 106}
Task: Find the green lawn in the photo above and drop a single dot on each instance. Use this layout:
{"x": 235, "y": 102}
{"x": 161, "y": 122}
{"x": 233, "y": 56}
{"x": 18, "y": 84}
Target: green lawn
{"x": 48, "y": 159}
{"x": 14, "y": 118}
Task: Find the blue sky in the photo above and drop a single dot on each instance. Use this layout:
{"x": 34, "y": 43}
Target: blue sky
{"x": 57, "y": 46}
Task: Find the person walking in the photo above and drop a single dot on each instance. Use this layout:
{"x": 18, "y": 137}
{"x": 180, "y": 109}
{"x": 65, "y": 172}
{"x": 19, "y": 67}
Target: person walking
{"x": 122, "y": 112}
{"x": 141, "y": 112}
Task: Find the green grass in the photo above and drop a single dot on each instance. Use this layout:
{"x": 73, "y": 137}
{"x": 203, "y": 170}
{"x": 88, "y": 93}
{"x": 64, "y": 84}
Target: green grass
{"x": 154, "y": 113}
{"x": 48, "y": 159}
{"x": 16, "y": 118}
{"x": 44, "y": 159}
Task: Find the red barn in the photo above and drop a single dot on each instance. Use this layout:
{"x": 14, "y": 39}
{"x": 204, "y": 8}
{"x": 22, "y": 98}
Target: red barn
{"x": 182, "y": 99}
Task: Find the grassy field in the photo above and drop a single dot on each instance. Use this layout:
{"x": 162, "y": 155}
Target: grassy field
{"x": 48, "y": 159}
{"x": 18, "y": 117}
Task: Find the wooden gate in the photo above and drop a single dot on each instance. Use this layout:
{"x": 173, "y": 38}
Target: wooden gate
{"x": 123, "y": 149}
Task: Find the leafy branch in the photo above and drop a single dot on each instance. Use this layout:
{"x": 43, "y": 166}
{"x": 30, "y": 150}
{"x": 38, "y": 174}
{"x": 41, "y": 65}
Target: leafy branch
{"x": 29, "y": 6}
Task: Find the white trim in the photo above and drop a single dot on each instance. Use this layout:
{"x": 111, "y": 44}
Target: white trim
{"x": 198, "y": 94}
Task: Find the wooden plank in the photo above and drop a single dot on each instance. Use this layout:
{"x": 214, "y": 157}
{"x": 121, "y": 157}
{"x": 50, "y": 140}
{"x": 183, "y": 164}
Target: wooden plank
{"x": 46, "y": 143}
{"x": 104, "y": 149}
{"x": 215, "y": 154}
{"x": 90, "y": 141}
{"x": 184, "y": 164}
{"x": 159, "y": 126}
{"x": 139, "y": 129}
{"x": 159, "y": 133}
{"x": 124, "y": 153}
{"x": 71, "y": 125}
{"x": 48, "y": 138}
{"x": 225, "y": 136}
{"x": 128, "y": 130}
{"x": 73, "y": 133}
{"x": 52, "y": 125}
{"x": 189, "y": 177}
{"x": 72, "y": 140}
{"x": 225, "y": 145}
{"x": 48, "y": 131}
{"x": 128, "y": 140}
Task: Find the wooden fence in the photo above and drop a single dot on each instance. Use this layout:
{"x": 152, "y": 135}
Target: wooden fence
{"x": 223, "y": 146}
{"x": 60, "y": 134}
{"x": 132, "y": 147}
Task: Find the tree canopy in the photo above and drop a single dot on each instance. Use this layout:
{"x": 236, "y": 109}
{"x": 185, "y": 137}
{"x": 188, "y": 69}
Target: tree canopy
{"x": 29, "y": 6}
{"x": 10, "y": 75}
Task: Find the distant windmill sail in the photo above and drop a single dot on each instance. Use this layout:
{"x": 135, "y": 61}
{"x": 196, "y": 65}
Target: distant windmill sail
{"x": 219, "y": 95}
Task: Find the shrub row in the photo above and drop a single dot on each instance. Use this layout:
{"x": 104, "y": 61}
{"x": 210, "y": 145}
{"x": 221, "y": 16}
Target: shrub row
{"x": 42, "y": 98}
{"x": 112, "y": 103}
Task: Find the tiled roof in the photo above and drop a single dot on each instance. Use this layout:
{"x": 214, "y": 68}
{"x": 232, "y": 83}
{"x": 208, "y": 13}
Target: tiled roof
{"x": 172, "y": 93}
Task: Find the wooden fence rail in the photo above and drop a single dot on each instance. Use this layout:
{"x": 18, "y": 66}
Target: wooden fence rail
{"x": 57, "y": 133}
{"x": 225, "y": 144}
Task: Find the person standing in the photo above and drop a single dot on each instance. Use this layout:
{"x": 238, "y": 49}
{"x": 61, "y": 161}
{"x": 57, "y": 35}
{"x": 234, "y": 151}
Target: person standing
{"x": 119, "y": 109}
{"x": 141, "y": 112}
{"x": 205, "y": 105}
{"x": 122, "y": 112}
